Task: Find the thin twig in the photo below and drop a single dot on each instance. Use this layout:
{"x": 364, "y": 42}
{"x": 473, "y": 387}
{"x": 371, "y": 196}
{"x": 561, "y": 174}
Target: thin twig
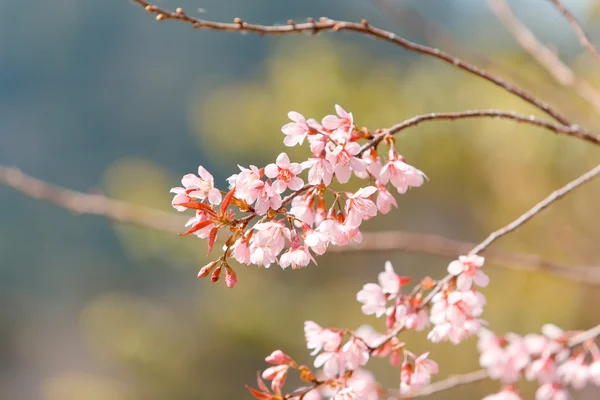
{"x": 543, "y": 55}
{"x": 583, "y": 37}
{"x": 452, "y": 382}
{"x": 326, "y": 24}
{"x": 573, "y": 130}
{"x": 99, "y": 205}
{"x": 436, "y": 245}
{"x": 557, "y": 194}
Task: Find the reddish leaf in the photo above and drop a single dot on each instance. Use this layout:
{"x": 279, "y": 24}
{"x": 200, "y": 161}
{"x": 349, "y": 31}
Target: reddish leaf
{"x": 198, "y": 206}
{"x": 227, "y": 201}
{"x": 197, "y": 227}
{"x": 211, "y": 238}
{"x": 257, "y": 394}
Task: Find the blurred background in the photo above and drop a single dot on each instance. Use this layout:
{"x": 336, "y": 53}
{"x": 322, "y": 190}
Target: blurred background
{"x": 99, "y": 97}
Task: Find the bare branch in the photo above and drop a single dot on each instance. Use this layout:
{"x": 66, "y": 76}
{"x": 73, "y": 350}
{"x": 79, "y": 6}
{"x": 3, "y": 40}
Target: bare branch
{"x": 543, "y": 55}
{"x": 583, "y": 37}
{"x": 557, "y": 194}
{"x": 452, "y": 382}
{"x": 572, "y": 130}
{"x": 92, "y": 204}
{"x": 436, "y": 245}
{"x": 326, "y": 24}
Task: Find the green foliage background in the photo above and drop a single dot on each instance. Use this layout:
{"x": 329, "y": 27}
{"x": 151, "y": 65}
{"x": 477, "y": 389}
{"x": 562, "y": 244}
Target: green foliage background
{"x": 96, "y": 96}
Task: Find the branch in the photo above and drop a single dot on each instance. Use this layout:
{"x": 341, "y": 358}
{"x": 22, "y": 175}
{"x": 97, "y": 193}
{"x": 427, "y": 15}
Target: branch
{"x": 572, "y": 130}
{"x": 436, "y": 245}
{"x": 556, "y": 195}
{"x": 94, "y": 204}
{"x": 543, "y": 55}
{"x": 583, "y": 37}
{"x": 452, "y": 382}
{"x": 325, "y": 24}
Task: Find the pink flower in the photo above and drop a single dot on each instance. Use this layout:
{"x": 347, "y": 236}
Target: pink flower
{"x": 241, "y": 251}
{"x": 194, "y": 187}
{"x": 302, "y": 208}
{"x": 247, "y": 183}
{"x": 574, "y": 371}
{"x": 551, "y": 391}
{"x": 332, "y": 363}
{"x": 390, "y": 281}
{"x": 317, "y": 241}
{"x": 285, "y": 172}
{"x": 508, "y": 393}
{"x": 373, "y": 299}
{"x": 416, "y": 376}
{"x": 262, "y": 254}
{"x": 341, "y": 125}
{"x": 385, "y": 200}
{"x": 277, "y": 374}
{"x": 356, "y": 353}
{"x": 359, "y": 206}
{"x": 278, "y": 357}
{"x": 468, "y": 270}
{"x": 318, "y": 338}
{"x": 410, "y": 317}
{"x": 334, "y": 230}
{"x": 267, "y": 199}
{"x": 402, "y": 175}
{"x": 297, "y": 130}
{"x": 296, "y": 256}
{"x": 594, "y": 372}
{"x": 543, "y": 369}
{"x": 272, "y": 234}
{"x": 342, "y": 159}
{"x": 320, "y": 171}
{"x": 318, "y": 142}
{"x": 506, "y": 363}
{"x": 454, "y": 315}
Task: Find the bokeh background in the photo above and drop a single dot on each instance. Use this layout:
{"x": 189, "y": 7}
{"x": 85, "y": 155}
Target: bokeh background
{"x": 99, "y": 97}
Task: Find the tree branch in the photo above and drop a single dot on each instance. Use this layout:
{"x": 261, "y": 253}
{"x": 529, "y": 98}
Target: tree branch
{"x": 92, "y": 204}
{"x": 436, "y": 245}
{"x": 556, "y": 195}
{"x": 583, "y": 37}
{"x": 572, "y": 130}
{"x": 543, "y": 55}
{"x": 325, "y": 24}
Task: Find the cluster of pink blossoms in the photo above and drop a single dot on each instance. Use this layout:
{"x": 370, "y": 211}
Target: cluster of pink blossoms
{"x": 547, "y": 359}
{"x": 270, "y": 233}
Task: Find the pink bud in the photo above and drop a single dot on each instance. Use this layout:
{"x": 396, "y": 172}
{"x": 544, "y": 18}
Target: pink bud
{"x": 278, "y": 357}
{"x": 216, "y": 274}
{"x": 230, "y": 277}
{"x": 204, "y": 271}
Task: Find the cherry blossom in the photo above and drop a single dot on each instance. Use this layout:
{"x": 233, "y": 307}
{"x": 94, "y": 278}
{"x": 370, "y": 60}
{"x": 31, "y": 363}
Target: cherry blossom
{"x": 194, "y": 187}
{"x": 267, "y": 199}
{"x": 359, "y": 206}
{"x": 385, "y": 200}
{"x": 400, "y": 174}
{"x": 247, "y": 183}
{"x": 468, "y": 270}
{"x": 343, "y": 160}
{"x": 455, "y": 315}
{"x": 285, "y": 172}
{"x": 297, "y": 130}
{"x": 551, "y": 391}
{"x": 416, "y": 374}
{"x": 319, "y": 170}
{"x": 341, "y": 125}
{"x": 356, "y": 353}
{"x": 316, "y": 241}
{"x": 373, "y": 299}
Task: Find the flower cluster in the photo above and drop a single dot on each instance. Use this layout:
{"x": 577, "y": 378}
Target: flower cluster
{"x": 270, "y": 232}
{"x": 456, "y": 308}
{"x": 547, "y": 359}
